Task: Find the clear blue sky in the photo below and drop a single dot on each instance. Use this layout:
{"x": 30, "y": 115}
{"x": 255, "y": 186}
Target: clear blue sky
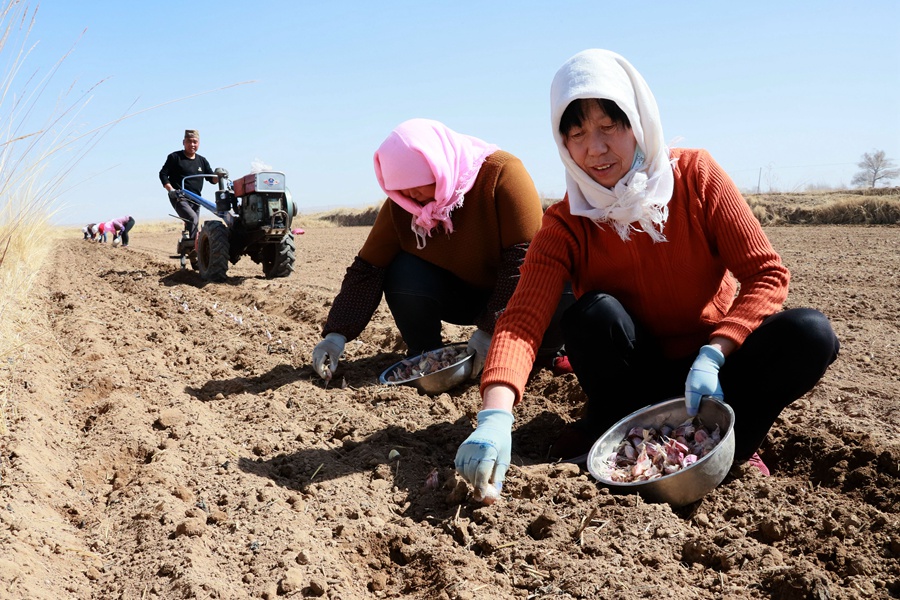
{"x": 796, "y": 91}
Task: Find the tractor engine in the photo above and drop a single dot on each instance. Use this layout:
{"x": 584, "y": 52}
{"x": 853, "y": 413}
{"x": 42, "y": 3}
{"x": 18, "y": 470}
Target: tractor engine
{"x": 265, "y": 203}
{"x": 253, "y": 218}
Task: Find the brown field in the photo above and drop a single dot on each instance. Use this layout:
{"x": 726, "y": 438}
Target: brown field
{"x": 166, "y": 438}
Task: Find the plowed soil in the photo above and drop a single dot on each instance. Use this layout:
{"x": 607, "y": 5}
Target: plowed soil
{"x": 166, "y": 438}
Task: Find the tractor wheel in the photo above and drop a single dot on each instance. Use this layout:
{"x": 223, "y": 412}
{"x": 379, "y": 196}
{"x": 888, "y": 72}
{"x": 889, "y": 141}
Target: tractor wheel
{"x": 212, "y": 251}
{"x": 278, "y": 259}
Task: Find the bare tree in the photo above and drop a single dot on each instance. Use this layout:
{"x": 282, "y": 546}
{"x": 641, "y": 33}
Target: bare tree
{"x": 875, "y": 167}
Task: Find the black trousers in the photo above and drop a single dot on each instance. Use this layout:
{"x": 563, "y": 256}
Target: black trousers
{"x": 421, "y": 296}
{"x": 621, "y": 368}
{"x": 189, "y": 212}
{"x": 128, "y": 225}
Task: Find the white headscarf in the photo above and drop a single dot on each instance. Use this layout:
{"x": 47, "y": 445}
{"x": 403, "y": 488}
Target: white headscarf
{"x": 639, "y": 201}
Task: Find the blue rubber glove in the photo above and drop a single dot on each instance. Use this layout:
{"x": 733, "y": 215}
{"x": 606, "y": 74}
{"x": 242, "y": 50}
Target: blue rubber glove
{"x": 703, "y": 379}
{"x": 484, "y": 457}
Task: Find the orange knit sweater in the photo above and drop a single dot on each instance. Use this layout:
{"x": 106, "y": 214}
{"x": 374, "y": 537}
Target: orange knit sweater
{"x": 716, "y": 274}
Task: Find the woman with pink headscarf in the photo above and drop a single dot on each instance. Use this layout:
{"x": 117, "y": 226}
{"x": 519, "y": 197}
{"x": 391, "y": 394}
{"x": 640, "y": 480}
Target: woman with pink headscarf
{"x": 122, "y": 226}
{"x": 446, "y": 245}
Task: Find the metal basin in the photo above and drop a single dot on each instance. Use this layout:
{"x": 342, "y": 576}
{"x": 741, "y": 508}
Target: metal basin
{"x": 684, "y": 486}
{"x": 439, "y": 381}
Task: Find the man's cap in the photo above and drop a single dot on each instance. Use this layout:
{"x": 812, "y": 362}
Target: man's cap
{"x": 191, "y": 133}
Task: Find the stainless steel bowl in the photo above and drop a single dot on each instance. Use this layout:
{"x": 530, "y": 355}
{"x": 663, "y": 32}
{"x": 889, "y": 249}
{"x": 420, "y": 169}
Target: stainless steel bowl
{"x": 684, "y": 486}
{"x": 439, "y": 381}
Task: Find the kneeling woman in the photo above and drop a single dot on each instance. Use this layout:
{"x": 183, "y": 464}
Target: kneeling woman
{"x": 679, "y": 292}
{"x": 446, "y": 245}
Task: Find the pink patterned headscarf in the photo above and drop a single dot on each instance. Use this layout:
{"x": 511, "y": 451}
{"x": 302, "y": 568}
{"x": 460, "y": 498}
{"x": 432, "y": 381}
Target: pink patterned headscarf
{"x": 421, "y": 152}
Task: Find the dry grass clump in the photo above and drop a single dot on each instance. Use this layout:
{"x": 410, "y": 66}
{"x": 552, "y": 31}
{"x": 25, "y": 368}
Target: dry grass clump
{"x": 345, "y": 217}
{"x": 878, "y": 206}
{"x": 875, "y": 210}
{"x": 849, "y": 207}
{"x": 24, "y": 244}
{"x": 882, "y": 191}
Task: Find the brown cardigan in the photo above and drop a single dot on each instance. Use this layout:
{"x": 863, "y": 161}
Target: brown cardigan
{"x": 491, "y": 231}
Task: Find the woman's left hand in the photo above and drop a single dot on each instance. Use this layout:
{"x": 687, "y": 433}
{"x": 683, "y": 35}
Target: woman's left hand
{"x": 479, "y": 344}
{"x": 703, "y": 378}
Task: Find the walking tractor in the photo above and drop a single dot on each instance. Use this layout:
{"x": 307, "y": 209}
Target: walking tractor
{"x": 254, "y": 219}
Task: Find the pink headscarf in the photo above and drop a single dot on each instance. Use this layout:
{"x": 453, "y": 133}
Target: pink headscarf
{"x": 421, "y": 152}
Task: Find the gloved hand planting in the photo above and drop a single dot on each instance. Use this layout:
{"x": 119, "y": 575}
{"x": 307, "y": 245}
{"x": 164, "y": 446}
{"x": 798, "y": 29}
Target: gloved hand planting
{"x": 479, "y": 344}
{"x": 174, "y": 195}
{"x": 703, "y": 379}
{"x": 484, "y": 457}
{"x": 327, "y": 353}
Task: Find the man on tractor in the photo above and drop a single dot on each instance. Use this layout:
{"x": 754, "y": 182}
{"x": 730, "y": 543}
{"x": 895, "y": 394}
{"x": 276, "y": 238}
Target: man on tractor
{"x": 178, "y": 165}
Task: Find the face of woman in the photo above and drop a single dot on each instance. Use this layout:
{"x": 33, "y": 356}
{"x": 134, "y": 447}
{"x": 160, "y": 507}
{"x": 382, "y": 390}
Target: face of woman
{"x": 422, "y": 194}
{"x": 601, "y": 147}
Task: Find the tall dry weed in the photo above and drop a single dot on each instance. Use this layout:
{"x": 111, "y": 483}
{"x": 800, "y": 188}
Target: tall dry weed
{"x": 33, "y": 170}
{"x": 827, "y": 209}
{"x": 867, "y": 210}
{"x": 347, "y": 217}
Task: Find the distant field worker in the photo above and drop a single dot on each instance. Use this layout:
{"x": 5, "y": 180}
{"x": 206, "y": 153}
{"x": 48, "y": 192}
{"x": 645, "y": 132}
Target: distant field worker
{"x": 122, "y": 226}
{"x": 446, "y": 245}
{"x": 102, "y": 230}
{"x": 89, "y": 231}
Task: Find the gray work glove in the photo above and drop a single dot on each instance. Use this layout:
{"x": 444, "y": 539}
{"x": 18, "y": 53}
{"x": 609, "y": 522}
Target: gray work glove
{"x": 479, "y": 344}
{"x": 326, "y": 355}
{"x": 174, "y": 195}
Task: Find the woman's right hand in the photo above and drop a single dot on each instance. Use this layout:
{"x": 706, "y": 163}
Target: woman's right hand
{"x": 484, "y": 457}
{"x": 326, "y": 355}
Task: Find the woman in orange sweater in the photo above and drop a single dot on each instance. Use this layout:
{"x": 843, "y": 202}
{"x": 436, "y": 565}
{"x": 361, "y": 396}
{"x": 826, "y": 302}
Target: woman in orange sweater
{"x": 678, "y": 290}
{"x": 446, "y": 245}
